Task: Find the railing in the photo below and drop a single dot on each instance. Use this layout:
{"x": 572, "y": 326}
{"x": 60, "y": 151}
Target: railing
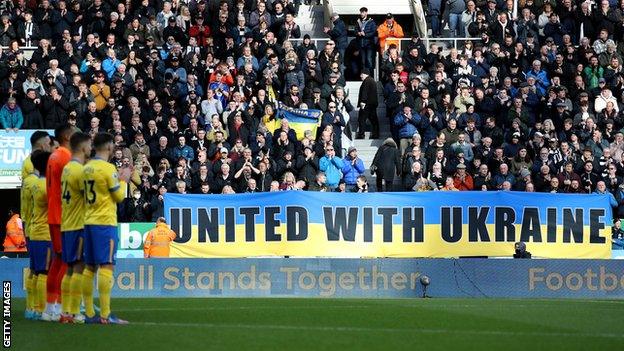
{"x": 320, "y": 45}
{"x": 455, "y": 42}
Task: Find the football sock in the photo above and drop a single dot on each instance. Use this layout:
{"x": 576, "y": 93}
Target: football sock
{"x": 41, "y": 293}
{"x": 53, "y": 292}
{"x": 30, "y": 292}
{"x": 105, "y": 285}
{"x": 87, "y": 292}
{"x": 75, "y": 293}
{"x": 65, "y": 299}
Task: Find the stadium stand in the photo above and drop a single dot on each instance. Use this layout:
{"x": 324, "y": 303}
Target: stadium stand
{"x": 198, "y": 94}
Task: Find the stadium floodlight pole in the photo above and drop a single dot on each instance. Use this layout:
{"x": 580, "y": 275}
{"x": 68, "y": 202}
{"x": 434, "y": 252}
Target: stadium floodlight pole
{"x": 425, "y": 281}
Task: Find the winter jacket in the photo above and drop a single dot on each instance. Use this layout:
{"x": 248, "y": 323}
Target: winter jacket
{"x": 11, "y": 118}
{"x": 407, "y": 127}
{"x": 387, "y": 160}
{"x": 352, "y": 171}
{"x": 332, "y": 168}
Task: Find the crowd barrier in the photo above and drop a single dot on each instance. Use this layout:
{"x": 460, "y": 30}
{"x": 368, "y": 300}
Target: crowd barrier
{"x": 356, "y": 278}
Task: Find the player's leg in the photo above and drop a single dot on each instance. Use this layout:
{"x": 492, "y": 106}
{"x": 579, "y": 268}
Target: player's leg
{"x": 56, "y": 272}
{"x": 105, "y": 249}
{"x": 72, "y": 255}
{"x": 76, "y": 292}
{"x": 42, "y": 254}
{"x": 30, "y": 295}
{"x": 69, "y": 246}
{"x": 88, "y": 275}
{"x": 30, "y": 285}
{"x": 105, "y": 286}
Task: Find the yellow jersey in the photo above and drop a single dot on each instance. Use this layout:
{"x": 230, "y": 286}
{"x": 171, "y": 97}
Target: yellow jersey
{"x": 39, "y": 229}
{"x": 72, "y": 197}
{"x": 102, "y": 192}
{"x": 27, "y": 168}
{"x": 26, "y": 202}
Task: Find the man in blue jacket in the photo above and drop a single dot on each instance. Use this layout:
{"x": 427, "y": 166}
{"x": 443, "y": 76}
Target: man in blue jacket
{"x": 406, "y": 124}
{"x": 352, "y": 168}
{"x": 332, "y": 166}
{"x": 366, "y": 34}
{"x": 183, "y": 150}
{"x": 338, "y": 34}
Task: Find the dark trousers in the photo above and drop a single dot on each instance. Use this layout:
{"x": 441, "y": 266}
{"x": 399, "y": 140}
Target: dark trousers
{"x": 368, "y": 113}
{"x": 388, "y": 186}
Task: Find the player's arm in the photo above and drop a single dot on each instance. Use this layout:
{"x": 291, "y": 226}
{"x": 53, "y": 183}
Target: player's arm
{"x": 116, "y": 187}
{"x": 26, "y": 205}
{"x": 172, "y": 235}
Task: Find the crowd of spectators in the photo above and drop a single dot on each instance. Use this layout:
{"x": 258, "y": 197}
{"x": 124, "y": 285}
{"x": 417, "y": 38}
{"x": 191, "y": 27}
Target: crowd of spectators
{"x": 190, "y": 90}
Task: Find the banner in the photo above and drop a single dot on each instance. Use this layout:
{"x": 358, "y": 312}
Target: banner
{"x": 424, "y": 224}
{"x": 14, "y": 148}
{"x": 131, "y": 238}
{"x": 355, "y": 278}
{"x": 299, "y": 119}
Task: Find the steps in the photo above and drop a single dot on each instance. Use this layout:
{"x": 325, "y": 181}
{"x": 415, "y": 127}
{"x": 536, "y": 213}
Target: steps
{"x": 368, "y": 147}
{"x": 311, "y": 20}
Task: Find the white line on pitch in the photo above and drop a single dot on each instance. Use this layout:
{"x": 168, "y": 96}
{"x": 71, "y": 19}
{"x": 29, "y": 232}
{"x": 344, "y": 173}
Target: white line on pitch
{"x": 415, "y": 330}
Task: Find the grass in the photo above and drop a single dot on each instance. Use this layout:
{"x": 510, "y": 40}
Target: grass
{"x": 336, "y": 324}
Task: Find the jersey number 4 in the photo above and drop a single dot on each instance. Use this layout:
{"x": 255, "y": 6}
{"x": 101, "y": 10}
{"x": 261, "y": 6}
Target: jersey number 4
{"x": 66, "y": 194}
{"x": 89, "y": 191}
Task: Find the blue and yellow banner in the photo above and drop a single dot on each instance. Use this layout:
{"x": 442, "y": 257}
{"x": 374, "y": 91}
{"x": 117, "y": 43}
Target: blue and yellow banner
{"x": 431, "y": 224}
{"x": 299, "y": 119}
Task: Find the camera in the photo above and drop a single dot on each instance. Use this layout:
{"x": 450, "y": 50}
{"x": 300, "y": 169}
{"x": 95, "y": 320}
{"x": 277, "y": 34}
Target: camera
{"x": 520, "y": 250}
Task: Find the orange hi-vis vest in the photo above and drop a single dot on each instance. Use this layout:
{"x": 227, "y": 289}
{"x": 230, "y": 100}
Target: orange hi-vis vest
{"x": 14, "y": 241}
{"x": 158, "y": 240}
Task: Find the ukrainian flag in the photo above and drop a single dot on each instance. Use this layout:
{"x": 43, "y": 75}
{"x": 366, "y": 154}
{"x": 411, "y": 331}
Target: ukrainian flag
{"x": 299, "y": 119}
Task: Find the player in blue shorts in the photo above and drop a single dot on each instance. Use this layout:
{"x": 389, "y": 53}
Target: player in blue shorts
{"x": 102, "y": 192}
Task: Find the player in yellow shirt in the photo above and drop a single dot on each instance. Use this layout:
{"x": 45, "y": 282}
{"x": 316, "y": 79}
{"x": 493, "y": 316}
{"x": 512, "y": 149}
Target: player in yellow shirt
{"x": 72, "y": 224}
{"x": 39, "y": 141}
{"x": 40, "y": 246}
{"x": 102, "y": 191}
{"x": 26, "y": 212}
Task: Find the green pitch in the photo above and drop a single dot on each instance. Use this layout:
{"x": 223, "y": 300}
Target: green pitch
{"x": 337, "y": 324}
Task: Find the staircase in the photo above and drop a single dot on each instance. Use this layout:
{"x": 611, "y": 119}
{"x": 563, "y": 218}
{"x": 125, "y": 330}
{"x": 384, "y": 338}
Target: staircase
{"x": 311, "y": 20}
{"x": 368, "y": 147}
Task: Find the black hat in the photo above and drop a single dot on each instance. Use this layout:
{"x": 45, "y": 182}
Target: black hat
{"x": 175, "y": 59}
{"x": 389, "y": 16}
{"x": 306, "y": 36}
{"x": 316, "y": 90}
{"x": 363, "y": 9}
{"x": 514, "y": 65}
{"x": 172, "y": 19}
{"x": 366, "y": 71}
{"x": 524, "y": 85}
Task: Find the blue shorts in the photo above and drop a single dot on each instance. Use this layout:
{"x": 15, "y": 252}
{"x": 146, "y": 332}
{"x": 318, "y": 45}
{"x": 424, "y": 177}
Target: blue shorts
{"x": 100, "y": 244}
{"x": 40, "y": 255}
{"x": 72, "y": 242}
{"x": 29, "y": 249}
